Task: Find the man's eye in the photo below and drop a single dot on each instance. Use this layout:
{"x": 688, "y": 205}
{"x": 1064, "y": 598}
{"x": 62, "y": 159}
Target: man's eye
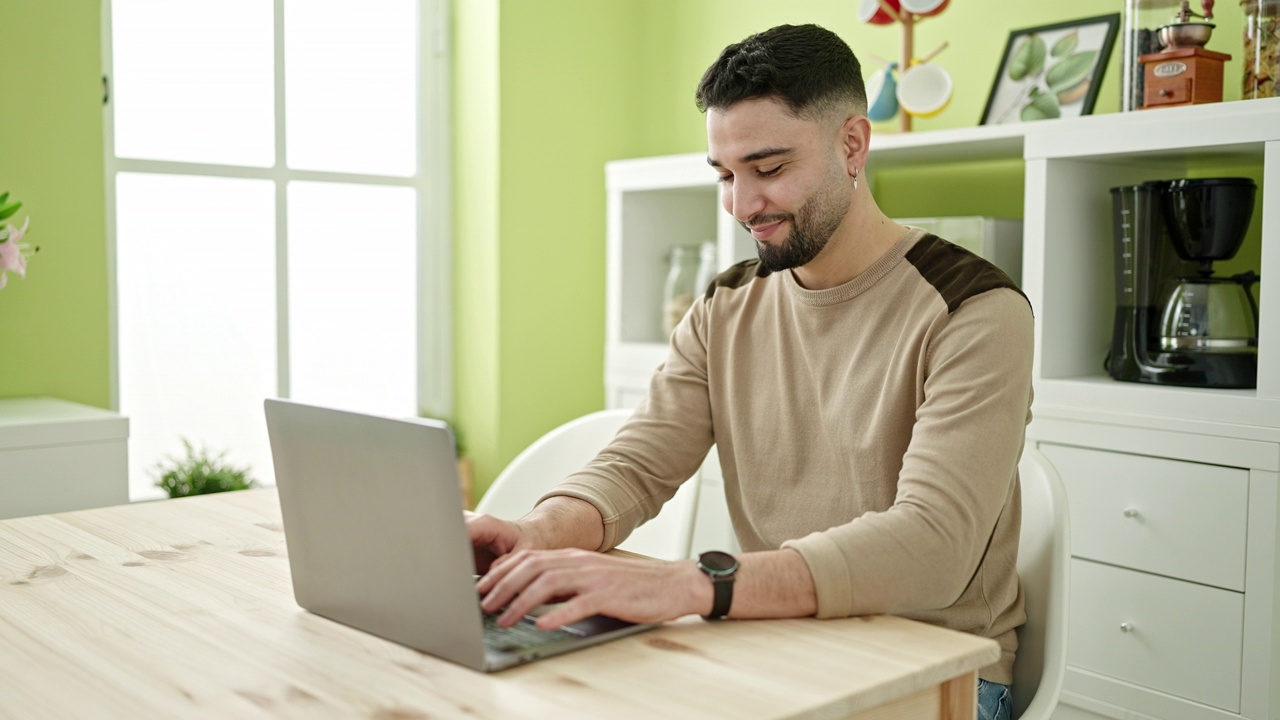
{"x": 724, "y": 178}
{"x": 770, "y": 172}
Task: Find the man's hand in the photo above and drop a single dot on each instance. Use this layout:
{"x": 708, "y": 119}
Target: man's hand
{"x": 492, "y": 537}
{"x": 555, "y": 523}
{"x": 590, "y": 583}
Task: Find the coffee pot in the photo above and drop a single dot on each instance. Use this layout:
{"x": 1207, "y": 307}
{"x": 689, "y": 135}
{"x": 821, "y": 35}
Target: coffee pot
{"x": 1176, "y": 322}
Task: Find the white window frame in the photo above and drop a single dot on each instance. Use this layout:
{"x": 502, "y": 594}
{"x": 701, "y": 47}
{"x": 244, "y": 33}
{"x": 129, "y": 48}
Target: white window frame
{"x": 432, "y": 183}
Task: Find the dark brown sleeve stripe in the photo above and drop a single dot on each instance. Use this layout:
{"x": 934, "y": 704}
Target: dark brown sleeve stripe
{"x": 956, "y": 273}
{"x": 736, "y": 276}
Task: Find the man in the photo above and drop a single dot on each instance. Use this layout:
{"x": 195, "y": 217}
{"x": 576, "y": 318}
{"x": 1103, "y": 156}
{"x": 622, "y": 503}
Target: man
{"x": 867, "y": 387}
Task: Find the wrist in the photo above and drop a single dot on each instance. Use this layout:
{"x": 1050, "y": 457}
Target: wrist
{"x": 562, "y": 521}
{"x": 701, "y": 595}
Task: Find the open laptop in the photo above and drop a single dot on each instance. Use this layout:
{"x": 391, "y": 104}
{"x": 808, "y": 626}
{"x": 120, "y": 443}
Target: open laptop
{"x": 376, "y": 538}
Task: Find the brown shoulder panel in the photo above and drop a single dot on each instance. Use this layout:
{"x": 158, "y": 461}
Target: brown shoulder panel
{"x": 736, "y": 276}
{"x": 956, "y": 273}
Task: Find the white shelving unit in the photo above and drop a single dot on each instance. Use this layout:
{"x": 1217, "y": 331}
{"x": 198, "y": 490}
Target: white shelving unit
{"x": 1151, "y": 471}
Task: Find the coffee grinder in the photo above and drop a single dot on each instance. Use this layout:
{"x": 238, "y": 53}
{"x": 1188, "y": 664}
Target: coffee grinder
{"x": 1183, "y": 72}
{"x": 1176, "y": 322}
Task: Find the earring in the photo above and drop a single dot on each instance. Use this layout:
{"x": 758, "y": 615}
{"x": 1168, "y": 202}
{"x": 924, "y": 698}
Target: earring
{"x": 855, "y": 178}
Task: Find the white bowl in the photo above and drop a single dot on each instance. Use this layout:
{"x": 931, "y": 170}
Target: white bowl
{"x": 924, "y": 90}
{"x": 869, "y": 11}
{"x": 924, "y": 7}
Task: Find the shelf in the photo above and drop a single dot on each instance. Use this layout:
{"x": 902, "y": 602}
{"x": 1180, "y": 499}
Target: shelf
{"x": 1229, "y": 128}
{"x": 987, "y": 142}
{"x": 1103, "y": 395}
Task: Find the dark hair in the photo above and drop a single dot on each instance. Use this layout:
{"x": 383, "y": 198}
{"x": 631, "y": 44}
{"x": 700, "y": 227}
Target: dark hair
{"x": 807, "y": 67}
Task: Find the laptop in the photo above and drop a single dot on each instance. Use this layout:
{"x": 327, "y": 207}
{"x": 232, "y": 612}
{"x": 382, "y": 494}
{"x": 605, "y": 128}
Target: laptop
{"x": 374, "y": 527}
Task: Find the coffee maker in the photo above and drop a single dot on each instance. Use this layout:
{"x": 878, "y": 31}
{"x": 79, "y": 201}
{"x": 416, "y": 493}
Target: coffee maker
{"x": 1176, "y": 322}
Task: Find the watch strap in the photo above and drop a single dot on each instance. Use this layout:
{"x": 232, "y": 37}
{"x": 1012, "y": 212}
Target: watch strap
{"x": 723, "y": 588}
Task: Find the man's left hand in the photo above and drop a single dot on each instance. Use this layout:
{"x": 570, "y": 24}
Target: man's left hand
{"x": 591, "y": 583}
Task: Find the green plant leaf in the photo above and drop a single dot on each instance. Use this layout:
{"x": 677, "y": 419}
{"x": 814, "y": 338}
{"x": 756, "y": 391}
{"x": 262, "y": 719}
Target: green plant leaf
{"x": 7, "y": 211}
{"x": 1066, "y": 44}
{"x": 1028, "y": 59}
{"x": 4, "y": 197}
{"x": 1075, "y": 92}
{"x": 1041, "y": 107}
{"x": 199, "y": 474}
{"x": 1069, "y": 71}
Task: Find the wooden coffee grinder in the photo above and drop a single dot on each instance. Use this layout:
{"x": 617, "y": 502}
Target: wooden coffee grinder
{"x": 1184, "y": 72}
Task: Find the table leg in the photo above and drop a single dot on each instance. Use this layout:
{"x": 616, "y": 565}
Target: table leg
{"x": 960, "y": 697}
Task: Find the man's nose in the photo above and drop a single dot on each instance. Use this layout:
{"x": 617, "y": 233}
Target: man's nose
{"x": 743, "y": 200}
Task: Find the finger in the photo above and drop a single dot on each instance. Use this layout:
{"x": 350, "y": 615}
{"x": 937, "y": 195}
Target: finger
{"x": 549, "y": 585}
{"x": 571, "y": 611}
{"x": 507, "y": 576}
{"x": 520, "y": 582}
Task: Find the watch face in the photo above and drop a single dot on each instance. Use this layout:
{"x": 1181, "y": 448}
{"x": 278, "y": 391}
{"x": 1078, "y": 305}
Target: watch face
{"x": 718, "y": 562}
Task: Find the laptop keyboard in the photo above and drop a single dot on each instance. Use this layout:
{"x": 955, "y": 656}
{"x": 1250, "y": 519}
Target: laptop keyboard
{"x": 522, "y": 635}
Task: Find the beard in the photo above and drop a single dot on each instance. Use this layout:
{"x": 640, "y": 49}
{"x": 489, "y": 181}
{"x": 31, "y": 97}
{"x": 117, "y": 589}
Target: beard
{"x": 811, "y": 227}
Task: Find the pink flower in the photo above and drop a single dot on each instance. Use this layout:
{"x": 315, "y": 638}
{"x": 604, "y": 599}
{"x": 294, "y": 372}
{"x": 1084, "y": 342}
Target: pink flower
{"x": 11, "y": 257}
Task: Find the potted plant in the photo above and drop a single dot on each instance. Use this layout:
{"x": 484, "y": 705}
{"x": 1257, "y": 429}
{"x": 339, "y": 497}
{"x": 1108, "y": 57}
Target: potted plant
{"x": 199, "y": 474}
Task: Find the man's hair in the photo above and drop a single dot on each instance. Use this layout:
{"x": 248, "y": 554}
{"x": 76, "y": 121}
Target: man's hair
{"x": 807, "y": 67}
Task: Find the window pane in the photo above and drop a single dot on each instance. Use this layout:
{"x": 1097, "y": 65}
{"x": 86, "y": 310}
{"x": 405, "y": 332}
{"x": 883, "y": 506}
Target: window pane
{"x": 197, "y": 323}
{"x": 352, "y": 304}
{"x": 194, "y": 81}
{"x": 351, "y": 85}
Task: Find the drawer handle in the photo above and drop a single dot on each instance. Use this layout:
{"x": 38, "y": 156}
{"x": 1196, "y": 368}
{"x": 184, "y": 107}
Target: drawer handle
{"x": 1126, "y": 627}
{"x": 1131, "y": 512}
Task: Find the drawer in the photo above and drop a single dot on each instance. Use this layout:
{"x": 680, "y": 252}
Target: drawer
{"x": 58, "y": 478}
{"x": 1176, "y": 637}
{"x": 1174, "y": 91}
{"x": 1181, "y": 519}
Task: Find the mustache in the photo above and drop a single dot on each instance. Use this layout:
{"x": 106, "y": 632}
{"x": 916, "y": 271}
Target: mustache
{"x": 758, "y": 220}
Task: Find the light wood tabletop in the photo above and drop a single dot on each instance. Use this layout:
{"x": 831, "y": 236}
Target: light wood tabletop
{"x": 184, "y": 609}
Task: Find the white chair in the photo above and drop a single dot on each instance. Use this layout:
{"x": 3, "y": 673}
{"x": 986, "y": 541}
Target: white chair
{"x": 565, "y": 450}
{"x": 1044, "y": 558}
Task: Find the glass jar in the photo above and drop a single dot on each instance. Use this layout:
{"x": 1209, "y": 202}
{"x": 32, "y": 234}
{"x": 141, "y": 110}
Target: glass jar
{"x": 1142, "y": 21}
{"x": 1261, "y": 61}
{"x": 680, "y": 287}
{"x": 708, "y": 268}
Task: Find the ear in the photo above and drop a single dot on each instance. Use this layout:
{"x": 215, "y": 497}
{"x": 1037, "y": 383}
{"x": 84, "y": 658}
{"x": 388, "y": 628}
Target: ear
{"x": 855, "y": 140}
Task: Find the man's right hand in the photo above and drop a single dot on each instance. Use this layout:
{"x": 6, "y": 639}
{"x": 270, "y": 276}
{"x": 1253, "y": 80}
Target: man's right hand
{"x": 558, "y": 522}
{"x": 492, "y": 537}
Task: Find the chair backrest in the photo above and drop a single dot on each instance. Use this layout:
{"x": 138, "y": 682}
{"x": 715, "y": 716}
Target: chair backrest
{"x": 1044, "y": 560}
{"x": 565, "y": 450}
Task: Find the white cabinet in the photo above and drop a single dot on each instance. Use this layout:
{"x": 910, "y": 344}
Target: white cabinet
{"x": 57, "y": 455}
{"x": 1198, "y": 558}
{"x": 1196, "y": 469}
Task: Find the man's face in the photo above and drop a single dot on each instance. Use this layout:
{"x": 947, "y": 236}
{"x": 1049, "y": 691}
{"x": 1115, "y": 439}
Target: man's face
{"x": 782, "y": 177}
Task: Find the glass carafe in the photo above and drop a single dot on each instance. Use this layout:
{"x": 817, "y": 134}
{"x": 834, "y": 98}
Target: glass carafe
{"x": 1210, "y": 315}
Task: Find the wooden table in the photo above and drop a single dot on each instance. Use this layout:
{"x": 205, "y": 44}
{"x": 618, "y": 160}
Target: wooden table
{"x": 183, "y": 609}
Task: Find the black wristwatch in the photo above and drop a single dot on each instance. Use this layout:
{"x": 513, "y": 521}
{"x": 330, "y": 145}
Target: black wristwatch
{"x": 720, "y": 567}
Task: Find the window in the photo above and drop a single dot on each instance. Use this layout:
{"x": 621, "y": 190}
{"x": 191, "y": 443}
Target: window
{"x": 269, "y": 163}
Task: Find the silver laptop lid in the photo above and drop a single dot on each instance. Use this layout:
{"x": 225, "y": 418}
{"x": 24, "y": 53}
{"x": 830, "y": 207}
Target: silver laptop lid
{"x": 374, "y": 527}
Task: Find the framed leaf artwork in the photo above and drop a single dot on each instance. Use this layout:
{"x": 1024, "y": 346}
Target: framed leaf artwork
{"x": 1051, "y": 71}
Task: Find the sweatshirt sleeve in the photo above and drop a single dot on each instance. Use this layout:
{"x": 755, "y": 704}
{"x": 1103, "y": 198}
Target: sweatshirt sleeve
{"x": 662, "y": 445}
{"x": 957, "y": 477}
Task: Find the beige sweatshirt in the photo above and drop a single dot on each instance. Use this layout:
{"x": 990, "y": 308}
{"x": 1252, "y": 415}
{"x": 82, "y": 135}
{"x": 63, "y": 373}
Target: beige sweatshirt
{"x": 874, "y": 427}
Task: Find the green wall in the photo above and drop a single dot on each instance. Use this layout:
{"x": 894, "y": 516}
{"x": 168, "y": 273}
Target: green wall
{"x": 545, "y": 97}
{"x": 53, "y": 324}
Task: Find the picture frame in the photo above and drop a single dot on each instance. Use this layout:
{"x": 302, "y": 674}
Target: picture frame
{"x": 1051, "y": 71}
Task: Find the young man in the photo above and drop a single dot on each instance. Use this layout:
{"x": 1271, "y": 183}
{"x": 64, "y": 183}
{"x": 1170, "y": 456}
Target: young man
{"x": 867, "y": 387}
